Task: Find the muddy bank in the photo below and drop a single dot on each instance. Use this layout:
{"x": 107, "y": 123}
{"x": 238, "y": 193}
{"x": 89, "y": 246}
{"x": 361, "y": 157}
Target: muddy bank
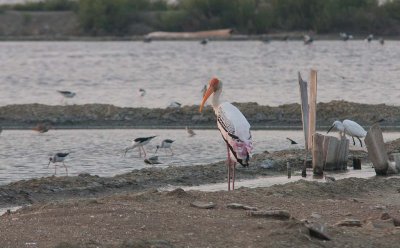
{"x": 346, "y": 213}
{"x": 85, "y": 185}
{"x": 260, "y": 117}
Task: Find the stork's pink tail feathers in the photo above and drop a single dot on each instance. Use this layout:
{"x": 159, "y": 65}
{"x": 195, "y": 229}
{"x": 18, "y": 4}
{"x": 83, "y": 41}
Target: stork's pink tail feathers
{"x": 243, "y": 148}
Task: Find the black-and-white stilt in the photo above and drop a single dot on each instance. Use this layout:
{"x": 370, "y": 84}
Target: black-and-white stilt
{"x": 139, "y": 142}
{"x": 66, "y": 94}
{"x": 142, "y": 92}
{"x": 174, "y": 105}
{"x": 58, "y": 158}
{"x": 166, "y": 144}
{"x": 292, "y": 142}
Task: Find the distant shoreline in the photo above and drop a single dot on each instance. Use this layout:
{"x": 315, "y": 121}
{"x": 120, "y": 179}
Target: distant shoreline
{"x": 105, "y": 116}
{"x": 264, "y": 37}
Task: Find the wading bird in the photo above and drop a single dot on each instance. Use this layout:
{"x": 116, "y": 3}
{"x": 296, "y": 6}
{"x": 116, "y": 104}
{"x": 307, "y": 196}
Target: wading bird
{"x": 234, "y": 128}
{"x": 66, "y": 94}
{"x": 369, "y": 38}
{"x": 292, "y": 142}
{"x": 139, "y": 142}
{"x": 41, "y": 128}
{"x": 142, "y": 92}
{"x": 166, "y": 144}
{"x": 152, "y": 160}
{"x": 174, "y": 105}
{"x": 350, "y": 128}
{"x": 58, "y": 158}
{"x": 190, "y": 132}
{"x": 308, "y": 39}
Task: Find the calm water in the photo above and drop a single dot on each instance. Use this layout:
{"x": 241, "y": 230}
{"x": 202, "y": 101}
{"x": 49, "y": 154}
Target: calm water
{"x": 112, "y": 72}
{"x": 24, "y": 154}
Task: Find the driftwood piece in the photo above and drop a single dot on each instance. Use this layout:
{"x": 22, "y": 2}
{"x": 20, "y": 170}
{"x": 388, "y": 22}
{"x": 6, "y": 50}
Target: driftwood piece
{"x": 240, "y": 206}
{"x": 376, "y": 150}
{"x": 318, "y": 161}
{"x": 273, "y": 214}
{"x": 350, "y": 223}
{"x": 203, "y": 205}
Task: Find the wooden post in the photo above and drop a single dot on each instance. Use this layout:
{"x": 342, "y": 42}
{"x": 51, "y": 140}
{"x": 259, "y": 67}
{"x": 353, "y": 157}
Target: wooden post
{"x": 318, "y": 154}
{"x": 356, "y": 164}
{"x": 312, "y": 105}
{"x": 343, "y": 153}
{"x": 376, "y": 150}
{"x": 331, "y": 152}
{"x": 304, "y": 116}
{"x": 396, "y": 157}
{"x": 289, "y": 170}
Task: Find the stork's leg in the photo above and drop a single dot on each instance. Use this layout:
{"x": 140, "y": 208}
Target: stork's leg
{"x": 172, "y": 153}
{"x": 233, "y": 177}
{"x": 354, "y": 142}
{"x": 229, "y": 168}
{"x": 66, "y": 169}
{"x": 360, "y": 141}
{"x": 55, "y": 169}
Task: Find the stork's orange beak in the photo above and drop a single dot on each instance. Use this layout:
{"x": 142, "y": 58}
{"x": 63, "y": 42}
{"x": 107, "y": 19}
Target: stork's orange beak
{"x": 208, "y": 93}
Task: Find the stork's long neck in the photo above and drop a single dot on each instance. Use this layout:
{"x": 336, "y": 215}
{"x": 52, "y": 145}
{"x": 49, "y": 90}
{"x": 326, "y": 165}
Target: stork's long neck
{"x": 216, "y": 99}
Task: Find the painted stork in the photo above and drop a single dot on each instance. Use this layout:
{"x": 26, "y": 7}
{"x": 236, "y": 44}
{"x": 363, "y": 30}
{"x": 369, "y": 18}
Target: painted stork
{"x": 234, "y": 128}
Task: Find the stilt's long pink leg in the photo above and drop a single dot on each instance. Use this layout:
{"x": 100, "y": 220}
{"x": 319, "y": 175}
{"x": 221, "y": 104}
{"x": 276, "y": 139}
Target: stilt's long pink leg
{"x": 140, "y": 152}
{"x": 66, "y": 169}
{"x": 145, "y": 155}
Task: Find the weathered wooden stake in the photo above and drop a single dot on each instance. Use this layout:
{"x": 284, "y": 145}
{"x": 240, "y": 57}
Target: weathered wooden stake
{"x": 312, "y": 105}
{"x": 356, "y": 164}
{"x": 396, "y": 157}
{"x": 343, "y": 152}
{"x": 289, "y": 170}
{"x": 376, "y": 150}
{"x": 318, "y": 154}
{"x": 304, "y": 116}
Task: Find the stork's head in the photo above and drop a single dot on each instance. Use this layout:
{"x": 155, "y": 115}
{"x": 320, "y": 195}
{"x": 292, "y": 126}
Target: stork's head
{"x": 338, "y": 125}
{"x": 214, "y": 85}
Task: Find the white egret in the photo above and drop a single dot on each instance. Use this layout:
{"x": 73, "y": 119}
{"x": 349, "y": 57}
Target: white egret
{"x": 350, "y": 128}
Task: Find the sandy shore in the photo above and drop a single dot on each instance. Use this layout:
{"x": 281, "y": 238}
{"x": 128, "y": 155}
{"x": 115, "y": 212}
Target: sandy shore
{"x": 129, "y": 210}
{"x": 261, "y": 117}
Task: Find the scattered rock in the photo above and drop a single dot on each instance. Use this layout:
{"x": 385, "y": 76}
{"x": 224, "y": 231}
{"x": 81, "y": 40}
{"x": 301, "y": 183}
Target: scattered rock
{"x": 349, "y": 223}
{"x": 146, "y": 244}
{"x": 179, "y": 193}
{"x": 381, "y": 224}
{"x": 240, "y": 206}
{"x": 269, "y": 164}
{"x": 379, "y": 207}
{"x": 385, "y": 216}
{"x": 396, "y": 221}
{"x": 274, "y": 214}
{"x": 203, "y": 205}
{"x": 318, "y": 231}
{"x": 316, "y": 215}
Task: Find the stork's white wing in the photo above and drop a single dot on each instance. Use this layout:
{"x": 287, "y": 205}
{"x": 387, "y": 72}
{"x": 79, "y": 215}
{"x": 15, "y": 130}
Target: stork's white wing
{"x": 233, "y": 121}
